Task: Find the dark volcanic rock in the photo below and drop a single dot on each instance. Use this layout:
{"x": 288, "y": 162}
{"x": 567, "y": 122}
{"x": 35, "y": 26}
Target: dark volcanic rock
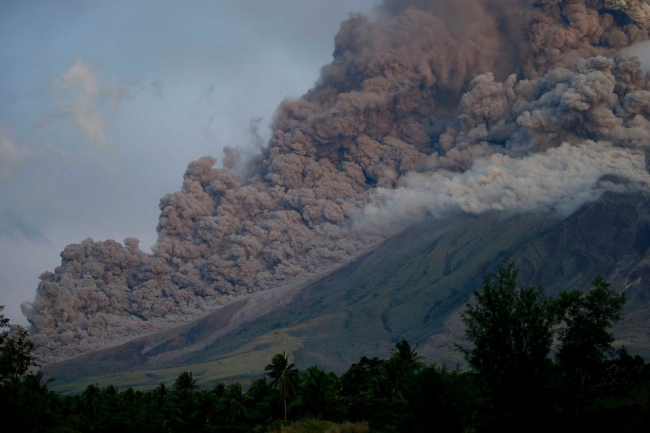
{"x": 611, "y": 238}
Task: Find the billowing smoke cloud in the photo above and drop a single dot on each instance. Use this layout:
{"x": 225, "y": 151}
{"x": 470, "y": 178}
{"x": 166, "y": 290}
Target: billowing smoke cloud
{"x": 599, "y": 99}
{"x": 431, "y": 109}
{"x": 558, "y": 180}
{"x": 638, "y": 11}
{"x": 82, "y": 92}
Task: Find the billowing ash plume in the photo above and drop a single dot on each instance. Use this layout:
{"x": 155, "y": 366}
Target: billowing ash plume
{"x": 439, "y": 106}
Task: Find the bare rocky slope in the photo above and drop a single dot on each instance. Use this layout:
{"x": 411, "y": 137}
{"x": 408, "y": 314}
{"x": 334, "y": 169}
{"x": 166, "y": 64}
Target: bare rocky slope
{"x": 412, "y": 286}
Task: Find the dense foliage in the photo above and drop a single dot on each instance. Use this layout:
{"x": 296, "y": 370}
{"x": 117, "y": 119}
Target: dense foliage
{"x": 15, "y": 350}
{"x": 536, "y": 364}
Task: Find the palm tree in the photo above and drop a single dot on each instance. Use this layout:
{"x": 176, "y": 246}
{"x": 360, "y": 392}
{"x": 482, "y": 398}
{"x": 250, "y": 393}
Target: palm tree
{"x": 391, "y": 380}
{"x": 318, "y": 390}
{"x": 172, "y": 415}
{"x": 267, "y": 399}
{"x": 206, "y": 404}
{"x": 236, "y": 401}
{"x": 161, "y": 392}
{"x": 90, "y": 395}
{"x": 185, "y": 384}
{"x": 284, "y": 377}
{"x": 111, "y": 391}
{"x": 34, "y": 382}
{"x": 152, "y": 415}
{"x": 409, "y": 356}
{"x": 218, "y": 390}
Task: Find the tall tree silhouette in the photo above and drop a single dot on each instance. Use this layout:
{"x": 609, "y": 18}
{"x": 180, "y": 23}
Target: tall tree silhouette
{"x": 584, "y": 335}
{"x": 284, "y": 377}
{"x": 511, "y": 329}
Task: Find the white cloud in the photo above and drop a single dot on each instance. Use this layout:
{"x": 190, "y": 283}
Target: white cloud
{"x": 82, "y": 95}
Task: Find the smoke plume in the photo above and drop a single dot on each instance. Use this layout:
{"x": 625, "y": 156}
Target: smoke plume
{"x": 437, "y": 107}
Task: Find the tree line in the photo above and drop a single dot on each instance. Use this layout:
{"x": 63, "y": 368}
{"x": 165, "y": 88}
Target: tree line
{"x": 535, "y": 364}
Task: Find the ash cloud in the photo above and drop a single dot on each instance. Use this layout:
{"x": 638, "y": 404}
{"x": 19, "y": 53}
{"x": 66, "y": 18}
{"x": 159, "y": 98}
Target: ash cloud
{"x": 558, "y": 180}
{"x": 430, "y": 109}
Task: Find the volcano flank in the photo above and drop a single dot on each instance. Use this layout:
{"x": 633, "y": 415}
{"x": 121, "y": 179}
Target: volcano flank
{"x": 444, "y": 137}
{"x": 412, "y": 286}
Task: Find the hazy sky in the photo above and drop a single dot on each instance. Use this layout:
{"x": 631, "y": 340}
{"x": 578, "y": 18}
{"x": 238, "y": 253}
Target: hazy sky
{"x": 103, "y": 104}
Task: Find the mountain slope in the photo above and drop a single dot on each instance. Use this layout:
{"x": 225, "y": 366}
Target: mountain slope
{"x": 413, "y": 286}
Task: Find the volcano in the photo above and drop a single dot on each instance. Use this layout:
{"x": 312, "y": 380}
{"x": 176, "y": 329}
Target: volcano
{"x": 414, "y": 286}
{"x": 444, "y": 137}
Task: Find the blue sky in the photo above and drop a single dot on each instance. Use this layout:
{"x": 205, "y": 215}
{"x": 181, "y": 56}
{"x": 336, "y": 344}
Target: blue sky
{"x": 103, "y": 104}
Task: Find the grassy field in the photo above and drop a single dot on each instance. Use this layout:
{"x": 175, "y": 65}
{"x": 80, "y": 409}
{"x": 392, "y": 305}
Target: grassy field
{"x": 247, "y": 361}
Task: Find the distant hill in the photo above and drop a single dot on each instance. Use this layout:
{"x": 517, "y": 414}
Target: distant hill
{"x": 412, "y": 286}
